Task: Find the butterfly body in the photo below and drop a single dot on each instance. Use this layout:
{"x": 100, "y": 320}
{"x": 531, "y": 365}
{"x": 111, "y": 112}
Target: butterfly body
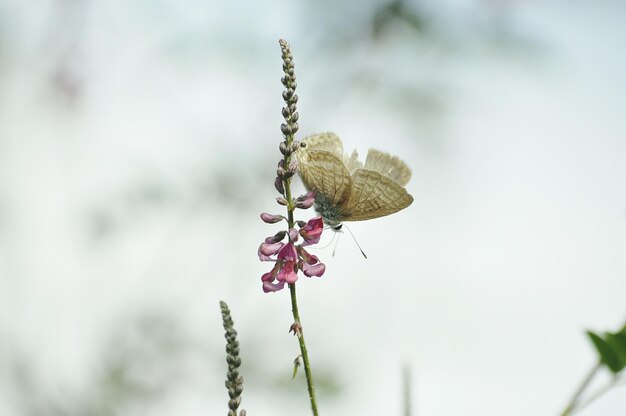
{"x": 331, "y": 212}
{"x": 347, "y": 190}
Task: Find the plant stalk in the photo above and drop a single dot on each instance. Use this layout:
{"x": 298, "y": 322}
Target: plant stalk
{"x": 303, "y": 350}
{"x": 571, "y": 405}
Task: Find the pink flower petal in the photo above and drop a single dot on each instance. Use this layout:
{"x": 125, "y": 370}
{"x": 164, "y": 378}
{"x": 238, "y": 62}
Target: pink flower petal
{"x": 312, "y": 231}
{"x": 266, "y": 250}
{"x": 293, "y": 235}
{"x": 288, "y": 273}
{"x": 263, "y": 257}
{"x": 306, "y": 256}
{"x": 272, "y": 287}
{"x": 313, "y": 270}
{"x": 271, "y": 275}
{"x": 288, "y": 253}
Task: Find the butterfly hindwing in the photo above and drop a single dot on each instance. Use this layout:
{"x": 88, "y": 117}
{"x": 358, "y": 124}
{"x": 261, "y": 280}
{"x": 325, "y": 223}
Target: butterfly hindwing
{"x": 388, "y": 165}
{"x": 373, "y": 195}
{"x": 347, "y": 190}
{"x": 352, "y": 162}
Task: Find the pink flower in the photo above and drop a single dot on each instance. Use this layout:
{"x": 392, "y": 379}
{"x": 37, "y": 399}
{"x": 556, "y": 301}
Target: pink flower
{"x": 285, "y": 269}
{"x": 312, "y": 231}
{"x": 288, "y": 257}
{"x": 310, "y": 264}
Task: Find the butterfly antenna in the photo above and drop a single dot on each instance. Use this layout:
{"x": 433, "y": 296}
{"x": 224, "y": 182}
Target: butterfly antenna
{"x": 325, "y": 246}
{"x": 338, "y": 234}
{"x": 357, "y": 243}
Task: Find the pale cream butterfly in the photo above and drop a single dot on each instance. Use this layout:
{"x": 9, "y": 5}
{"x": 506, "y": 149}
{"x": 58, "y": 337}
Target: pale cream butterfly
{"x": 347, "y": 190}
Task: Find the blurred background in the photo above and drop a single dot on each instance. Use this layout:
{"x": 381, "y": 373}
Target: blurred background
{"x": 138, "y": 145}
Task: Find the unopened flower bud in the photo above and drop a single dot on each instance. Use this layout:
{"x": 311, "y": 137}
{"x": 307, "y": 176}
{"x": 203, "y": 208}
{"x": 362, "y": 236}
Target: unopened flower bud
{"x": 295, "y": 145}
{"x": 282, "y": 201}
{"x": 279, "y": 236}
{"x": 280, "y": 187}
{"x": 285, "y": 129}
{"x": 280, "y": 172}
{"x": 305, "y": 201}
{"x": 283, "y": 148}
{"x": 293, "y": 235}
{"x": 300, "y": 223}
{"x": 308, "y": 195}
{"x": 306, "y": 204}
{"x": 293, "y": 167}
{"x": 271, "y": 219}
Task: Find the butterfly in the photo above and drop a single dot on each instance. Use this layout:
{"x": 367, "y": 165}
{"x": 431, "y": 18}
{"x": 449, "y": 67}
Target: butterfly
{"x": 347, "y": 190}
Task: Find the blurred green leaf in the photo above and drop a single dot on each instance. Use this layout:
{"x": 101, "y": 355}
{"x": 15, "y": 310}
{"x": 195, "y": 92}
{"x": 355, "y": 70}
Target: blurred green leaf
{"x": 397, "y": 12}
{"x": 611, "y": 348}
{"x": 617, "y": 341}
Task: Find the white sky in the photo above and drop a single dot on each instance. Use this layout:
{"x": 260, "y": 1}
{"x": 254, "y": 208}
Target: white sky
{"x": 513, "y": 247}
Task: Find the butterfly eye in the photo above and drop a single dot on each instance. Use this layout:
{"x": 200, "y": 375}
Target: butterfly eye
{"x": 302, "y": 145}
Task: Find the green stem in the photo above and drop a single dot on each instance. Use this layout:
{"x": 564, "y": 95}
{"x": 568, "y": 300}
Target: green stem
{"x": 571, "y": 406}
{"x": 600, "y": 392}
{"x": 290, "y": 206}
{"x": 303, "y": 350}
{"x": 289, "y": 129}
{"x": 294, "y": 300}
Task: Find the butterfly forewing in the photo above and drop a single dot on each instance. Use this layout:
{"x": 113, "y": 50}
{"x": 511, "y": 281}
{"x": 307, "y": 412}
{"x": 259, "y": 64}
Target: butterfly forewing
{"x": 325, "y": 174}
{"x": 328, "y": 142}
{"x": 373, "y": 195}
{"x": 347, "y": 190}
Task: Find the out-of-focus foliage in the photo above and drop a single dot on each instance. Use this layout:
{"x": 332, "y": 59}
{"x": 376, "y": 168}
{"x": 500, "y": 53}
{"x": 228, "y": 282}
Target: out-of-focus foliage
{"x": 140, "y": 363}
{"x": 611, "y": 348}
